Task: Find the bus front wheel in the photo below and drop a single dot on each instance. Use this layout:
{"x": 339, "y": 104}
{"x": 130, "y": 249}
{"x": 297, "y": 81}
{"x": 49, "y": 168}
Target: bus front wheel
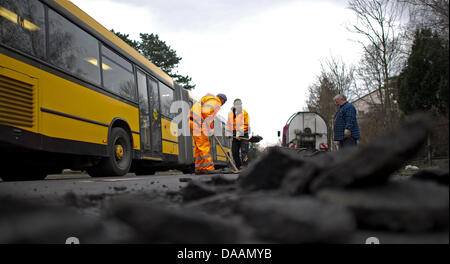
{"x": 119, "y": 161}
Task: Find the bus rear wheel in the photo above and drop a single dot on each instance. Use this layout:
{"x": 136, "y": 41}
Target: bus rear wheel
{"x": 119, "y": 161}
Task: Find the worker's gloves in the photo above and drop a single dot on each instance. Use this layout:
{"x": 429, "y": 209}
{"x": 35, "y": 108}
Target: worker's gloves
{"x": 229, "y": 137}
{"x": 347, "y": 133}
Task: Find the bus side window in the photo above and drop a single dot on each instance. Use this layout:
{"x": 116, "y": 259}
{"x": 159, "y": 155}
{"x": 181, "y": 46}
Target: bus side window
{"x": 22, "y": 24}
{"x": 72, "y": 49}
{"x": 166, "y": 100}
{"x": 118, "y": 74}
{"x": 154, "y": 95}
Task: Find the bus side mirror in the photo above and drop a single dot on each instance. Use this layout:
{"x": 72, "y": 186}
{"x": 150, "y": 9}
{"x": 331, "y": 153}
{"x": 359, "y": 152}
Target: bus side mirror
{"x": 279, "y": 133}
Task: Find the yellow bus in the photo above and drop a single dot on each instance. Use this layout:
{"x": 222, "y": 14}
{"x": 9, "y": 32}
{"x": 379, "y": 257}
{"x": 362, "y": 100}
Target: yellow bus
{"x": 75, "y": 96}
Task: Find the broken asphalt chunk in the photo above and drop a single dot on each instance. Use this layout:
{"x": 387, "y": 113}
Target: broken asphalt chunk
{"x": 297, "y": 220}
{"x": 376, "y": 161}
{"x": 196, "y": 190}
{"x": 157, "y": 224}
{"x": 439, "y": 175}
{"x": 412, "y": 206}
{"x": 269, "y": 170}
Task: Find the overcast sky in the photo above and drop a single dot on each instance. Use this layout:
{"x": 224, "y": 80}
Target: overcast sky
{"x": 264, "y": 52}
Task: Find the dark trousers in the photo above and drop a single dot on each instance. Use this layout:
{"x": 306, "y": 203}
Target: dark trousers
{"x": 240, "y": 159}
{"x": 347, "y": 142}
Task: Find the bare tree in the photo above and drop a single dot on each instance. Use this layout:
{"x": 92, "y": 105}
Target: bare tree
{"x": 369, "y": 75}
{"x": 341, "y": 76}
{"x": 320, "y": 100}
{"x": 379, "y": 23}
{"x": 433, "y": 14}
{"x": 321, "y": 94}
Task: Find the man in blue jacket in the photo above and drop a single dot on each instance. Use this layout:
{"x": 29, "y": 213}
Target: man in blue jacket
{"x": 346, "y": 129}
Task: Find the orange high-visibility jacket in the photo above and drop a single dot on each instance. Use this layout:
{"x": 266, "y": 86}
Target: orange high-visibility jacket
{"x": 203, "y": 113}
{"x": 239, "y": 124}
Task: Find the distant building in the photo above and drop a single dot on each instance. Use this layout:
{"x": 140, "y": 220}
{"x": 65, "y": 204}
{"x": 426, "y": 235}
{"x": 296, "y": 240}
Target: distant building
{"x": 367, "y": 103}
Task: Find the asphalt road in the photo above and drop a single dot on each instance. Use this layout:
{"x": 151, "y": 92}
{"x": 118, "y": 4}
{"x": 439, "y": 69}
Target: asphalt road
{"x": 55, "y": 186}
{"x": 93, "y": 198}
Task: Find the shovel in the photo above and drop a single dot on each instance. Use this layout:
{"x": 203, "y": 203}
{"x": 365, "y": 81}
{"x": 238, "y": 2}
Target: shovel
{"x": 235, "y": 169}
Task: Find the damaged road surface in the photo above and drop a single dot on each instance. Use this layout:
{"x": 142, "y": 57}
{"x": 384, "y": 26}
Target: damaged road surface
{"x": 283, "y": 197}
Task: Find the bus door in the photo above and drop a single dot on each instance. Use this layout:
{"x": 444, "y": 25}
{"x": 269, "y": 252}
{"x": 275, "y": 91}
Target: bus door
{"x": 144, "y": 112}
{"x": 155, "y": 116}
{"x": 149, "y": 117}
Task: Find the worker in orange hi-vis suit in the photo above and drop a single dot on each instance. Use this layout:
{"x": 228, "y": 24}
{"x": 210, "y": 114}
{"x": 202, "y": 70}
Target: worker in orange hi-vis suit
{"x": 201, "y": 122}
{"x": 238, "y": 128}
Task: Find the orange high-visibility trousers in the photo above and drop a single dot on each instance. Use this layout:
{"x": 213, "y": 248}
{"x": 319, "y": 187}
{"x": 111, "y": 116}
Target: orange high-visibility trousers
{"x": 202, "y": 154}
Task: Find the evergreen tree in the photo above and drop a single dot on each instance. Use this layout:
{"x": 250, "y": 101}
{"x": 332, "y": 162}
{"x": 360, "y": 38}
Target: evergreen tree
{"x": 159, "y": 53}
{"x": 125, "y": 37}
{"x": 423, "y": 83}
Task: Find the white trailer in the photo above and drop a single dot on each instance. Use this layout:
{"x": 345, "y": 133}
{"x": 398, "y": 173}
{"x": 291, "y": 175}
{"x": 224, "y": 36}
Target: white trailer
{"x": 306, "y": 130}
